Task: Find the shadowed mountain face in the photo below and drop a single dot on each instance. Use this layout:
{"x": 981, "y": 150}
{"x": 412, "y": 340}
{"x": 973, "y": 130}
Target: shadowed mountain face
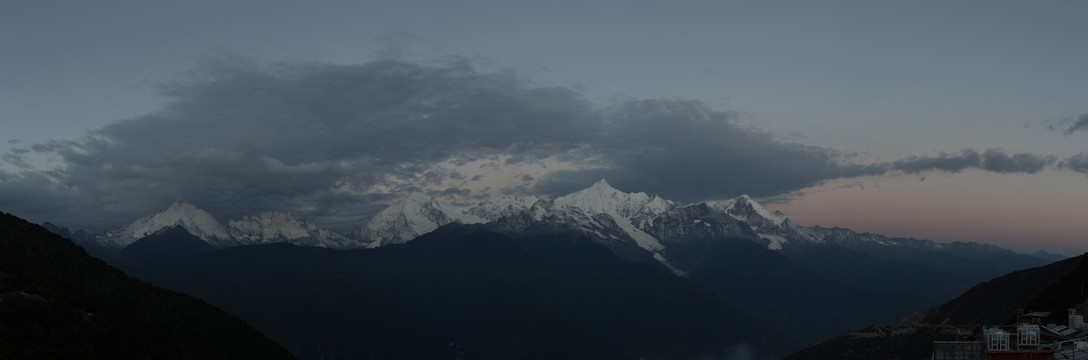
{"x": 171, "y": 241}
{"x": 787, "y": 296}
{"x": 463, "y": 292}
{"x": 856, "y": 269}
{"x": 1055, "y": 288}
{"x": 57, "y": 302}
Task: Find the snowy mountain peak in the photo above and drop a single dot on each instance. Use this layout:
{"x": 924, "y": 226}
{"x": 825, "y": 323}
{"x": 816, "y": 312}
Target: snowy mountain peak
{"x": 789, "y": 222}
{"x": 180, "y": 201}
{"x": 268, "y": 226}
{"x": 415, "y": 215}
{"x": 600, "y": 189}
{"x": 603, "y": 198}
{"x": 603, "y": 185}
{"x": 743, "y": 208}
{"x": 626, "y": 209}
{"x": 493, "y": 209}
{"x": 280, "y": 226}
{"x": 418, "y": 198}
{"x": 181, "y": 205}
{"x": 198, "y": 222}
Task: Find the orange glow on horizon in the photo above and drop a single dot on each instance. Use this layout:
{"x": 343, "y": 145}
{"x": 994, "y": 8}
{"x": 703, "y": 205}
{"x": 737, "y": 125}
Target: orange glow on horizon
{"x": 1023, "y": 212}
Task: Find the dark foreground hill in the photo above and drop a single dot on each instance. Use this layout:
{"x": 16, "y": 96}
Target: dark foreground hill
{"x": 1054, "y": 288}
{"x": 462, "y": 292}
{"x": 57, "y": 302}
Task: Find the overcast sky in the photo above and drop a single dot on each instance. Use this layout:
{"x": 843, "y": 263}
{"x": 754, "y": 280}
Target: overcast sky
{"x": 944, "y": 120}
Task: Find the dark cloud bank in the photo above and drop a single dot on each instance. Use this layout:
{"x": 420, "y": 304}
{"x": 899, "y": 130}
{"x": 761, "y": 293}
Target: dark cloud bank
{"x": 239, "y": 136}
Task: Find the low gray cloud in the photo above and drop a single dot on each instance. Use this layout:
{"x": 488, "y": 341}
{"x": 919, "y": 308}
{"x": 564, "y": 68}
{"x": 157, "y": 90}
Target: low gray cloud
{"x": 16, "y": 157}
{"x": 1078, "y": 163}
{"x": 242, "y": 136}
{"x": 335, "y": 142}
{"x": 1069, "y": 126}
{"x": 942, "y": 162}
{"x": 993, "y": 160}
{"x": 684, "y": 150}
{"x": 997, "y": 161}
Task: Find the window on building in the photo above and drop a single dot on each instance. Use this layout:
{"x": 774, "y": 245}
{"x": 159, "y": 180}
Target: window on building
{"x": 997, "y": 340}
{"x": 1027, "y": 335}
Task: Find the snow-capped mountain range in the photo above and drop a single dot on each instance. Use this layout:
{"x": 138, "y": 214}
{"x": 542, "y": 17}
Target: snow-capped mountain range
{"x": 198, "y": 222}
{"x": 600, "y": 211}
{"x": 263, "y": 228}
{"x": 630, "y": 223}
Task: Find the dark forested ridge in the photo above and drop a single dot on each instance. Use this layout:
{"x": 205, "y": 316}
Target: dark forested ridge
{"x": 464, "y": 292}
{"x": 57, "y": 302}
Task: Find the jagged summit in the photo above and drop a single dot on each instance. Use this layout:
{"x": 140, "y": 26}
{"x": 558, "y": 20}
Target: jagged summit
{"x": 180, "y": 200}
{"x": 600, "y": 211}
{"x": 280, "y": 226}
{"x": 267, "y": 227}
{"x": 603, "y": 198}
{"x": 418, "y": 197}
{"x": 599, "y": 188}
{"x": 414, "y": 215}
{"x": 494, "y": 209}
{"x": 602, "y": 184}
{"x": 627, "y": 222}
{"x": 196, "y": 221}
{"x": 744, "y": 208}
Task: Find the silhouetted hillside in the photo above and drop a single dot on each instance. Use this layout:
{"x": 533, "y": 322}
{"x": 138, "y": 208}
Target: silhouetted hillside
{"x": 1053, "y": 287}
{"x": 1069, "y": 292}
{"x": 57, "y": 302}
{"x": 463, "y": 292}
